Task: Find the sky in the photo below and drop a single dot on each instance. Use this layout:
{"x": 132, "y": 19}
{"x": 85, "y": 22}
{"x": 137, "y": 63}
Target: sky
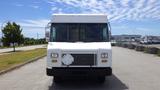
{"x": 125, "y": 16}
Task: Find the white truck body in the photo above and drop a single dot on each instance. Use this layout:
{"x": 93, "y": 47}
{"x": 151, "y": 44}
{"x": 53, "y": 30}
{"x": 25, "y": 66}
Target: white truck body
{"x": 79, "y": 48}
{"x": 66, "y": 58}
{"x": 79, "y": 18}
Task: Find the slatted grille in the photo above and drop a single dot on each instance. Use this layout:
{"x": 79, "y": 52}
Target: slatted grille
{"x": 84, "y": 59}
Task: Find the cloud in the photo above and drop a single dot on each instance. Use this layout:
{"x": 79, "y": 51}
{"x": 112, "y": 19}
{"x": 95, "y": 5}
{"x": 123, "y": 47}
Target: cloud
{"x": 115, "y": 9}
{"x": 30, "y": 28}
{"x": 36, "y": 2}
{"x": 34, "y": 6}
{"x": 33, "y": 32}
{"x": 146, "y": 31}
{"x": 33, "y": 27}
{"x": 41, "y": 23}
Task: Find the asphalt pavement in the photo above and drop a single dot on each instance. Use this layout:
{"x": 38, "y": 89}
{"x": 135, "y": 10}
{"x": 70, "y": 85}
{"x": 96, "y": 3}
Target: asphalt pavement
{"x": 132, "y": 70}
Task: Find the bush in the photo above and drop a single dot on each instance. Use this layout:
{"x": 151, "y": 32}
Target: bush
{"x": 113, "y": 44}
{"x": 139, "y": 48}
{"x": 125, "y": 45}
{"x": 151, "y": 50}
{"x": 158, "y": 52}
{"x": 119, "y": 44}
{"x": 131, "y": 46}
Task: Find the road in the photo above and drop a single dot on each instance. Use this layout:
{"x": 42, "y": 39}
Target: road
{"x": 131, "y": 71}
{"x": 22, "y": 48}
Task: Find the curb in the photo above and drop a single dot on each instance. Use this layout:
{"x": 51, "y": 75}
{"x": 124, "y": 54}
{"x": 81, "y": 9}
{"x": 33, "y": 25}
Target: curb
{"x": 20, "y": 65}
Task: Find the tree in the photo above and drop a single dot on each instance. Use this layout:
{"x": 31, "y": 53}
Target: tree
{"x": 12, "y": 34}
{"x": 32, "y": 41}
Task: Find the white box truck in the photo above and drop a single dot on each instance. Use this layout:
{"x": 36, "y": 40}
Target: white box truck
{"x": 79, "y": 45}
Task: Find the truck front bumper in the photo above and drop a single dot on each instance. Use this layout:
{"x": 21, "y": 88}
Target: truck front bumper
{"x": 79, "y": 71}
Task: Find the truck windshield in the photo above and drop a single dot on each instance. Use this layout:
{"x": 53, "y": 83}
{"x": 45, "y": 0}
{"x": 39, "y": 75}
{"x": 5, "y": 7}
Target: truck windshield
{"x": 79, "y": 32}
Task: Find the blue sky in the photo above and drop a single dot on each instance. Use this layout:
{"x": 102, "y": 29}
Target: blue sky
{"x": 126, "y": 16}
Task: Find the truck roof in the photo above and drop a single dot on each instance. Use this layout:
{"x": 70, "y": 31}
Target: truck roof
{"x": 79, "y": 18}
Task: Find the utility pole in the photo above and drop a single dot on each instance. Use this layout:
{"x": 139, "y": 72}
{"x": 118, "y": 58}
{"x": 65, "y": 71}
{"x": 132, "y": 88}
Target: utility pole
{"x": 37, "y": 41}
{"x": 37, "y": 36}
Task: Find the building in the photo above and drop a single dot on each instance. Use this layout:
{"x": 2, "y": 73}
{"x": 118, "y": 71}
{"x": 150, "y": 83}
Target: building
{"x": 150, "y": 40}
{"x": 126, "y": 38}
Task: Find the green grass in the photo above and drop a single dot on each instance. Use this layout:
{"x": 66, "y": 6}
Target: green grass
{"x": 4, "y": 47}
{"x": 15, "y": 58}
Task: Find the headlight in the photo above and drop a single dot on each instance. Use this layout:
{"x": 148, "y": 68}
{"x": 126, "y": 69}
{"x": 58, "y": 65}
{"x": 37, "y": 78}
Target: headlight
{"x": 104, "y": 55}
{"x": 54, "y": 55}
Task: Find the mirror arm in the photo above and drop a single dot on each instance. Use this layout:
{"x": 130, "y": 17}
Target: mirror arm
{"x": 110, "y": 33}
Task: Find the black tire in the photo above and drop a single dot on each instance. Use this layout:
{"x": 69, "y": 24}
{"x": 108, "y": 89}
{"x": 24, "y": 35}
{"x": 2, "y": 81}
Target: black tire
{"x": 57, "y": 79}
{"x": 101, "y": 79}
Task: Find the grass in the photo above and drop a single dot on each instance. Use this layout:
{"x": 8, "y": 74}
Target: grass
{"x": 4, "y": 47}
{"x": 15, "y": 58}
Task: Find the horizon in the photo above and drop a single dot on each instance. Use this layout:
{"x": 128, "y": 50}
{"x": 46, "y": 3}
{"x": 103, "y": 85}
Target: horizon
{"x": 126, "y": 16}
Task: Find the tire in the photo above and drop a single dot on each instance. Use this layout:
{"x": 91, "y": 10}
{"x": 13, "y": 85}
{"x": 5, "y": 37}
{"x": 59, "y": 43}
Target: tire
{"x": 57, "y": 79}
{"x": 101, "y": 79}
{"x": 49, "y": 72}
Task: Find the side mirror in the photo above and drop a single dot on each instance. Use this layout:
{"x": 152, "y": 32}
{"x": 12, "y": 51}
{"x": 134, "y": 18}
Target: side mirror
{"x": 47, "y": 35}
{"x": 47, "y": 32}
{"x": 110, "y": 33}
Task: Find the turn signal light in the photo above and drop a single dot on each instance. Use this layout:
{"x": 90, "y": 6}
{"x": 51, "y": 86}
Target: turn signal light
{"x": 54, "y": 61}
{"x": 104, "y": 61}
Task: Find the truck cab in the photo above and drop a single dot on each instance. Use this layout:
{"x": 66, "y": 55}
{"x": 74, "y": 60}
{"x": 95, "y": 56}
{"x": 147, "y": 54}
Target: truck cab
{"x": 79, "y": 45}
